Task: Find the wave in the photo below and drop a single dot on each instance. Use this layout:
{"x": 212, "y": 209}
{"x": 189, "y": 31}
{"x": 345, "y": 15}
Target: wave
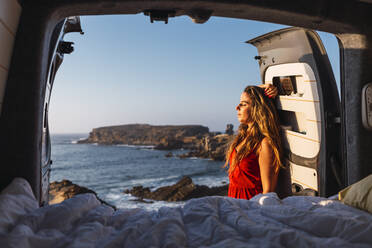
{"x": 211, "y": 181}
{"x": 137, "y": 146}
{"x": 126, "y": 201}
{"x": 121, "y": 200}
{"x": 197, "y": 158}
{"x": 76, "y": 141}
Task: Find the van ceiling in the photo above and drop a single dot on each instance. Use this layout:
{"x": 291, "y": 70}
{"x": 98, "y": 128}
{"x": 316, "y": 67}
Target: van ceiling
{"x": 324, "y": 15}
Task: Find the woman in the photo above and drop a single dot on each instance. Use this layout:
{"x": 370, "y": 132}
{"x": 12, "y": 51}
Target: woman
{"x": 254, "y": 156}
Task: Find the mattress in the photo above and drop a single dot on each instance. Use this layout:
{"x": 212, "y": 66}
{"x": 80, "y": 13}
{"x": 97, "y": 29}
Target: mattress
{"x": 263, "y": 221}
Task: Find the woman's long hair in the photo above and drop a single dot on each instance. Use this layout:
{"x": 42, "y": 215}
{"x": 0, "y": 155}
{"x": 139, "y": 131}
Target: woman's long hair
{"x": 265, "y": 123}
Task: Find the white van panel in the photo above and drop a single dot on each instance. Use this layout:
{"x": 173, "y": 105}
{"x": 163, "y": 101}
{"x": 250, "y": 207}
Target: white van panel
{"x": 10, "y": 12}
{"x": 304, "y": 176}
{"x": 310, "y": 108}
{"x": 306, "y": 82}
{"x": 300, "y": 144}
{"x": 312, "y": 130}
{"x": 304, "y": 105}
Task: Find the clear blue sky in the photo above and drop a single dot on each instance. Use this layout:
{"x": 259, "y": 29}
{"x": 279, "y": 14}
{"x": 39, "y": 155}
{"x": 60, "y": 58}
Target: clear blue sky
{"x": 126, "y": 70}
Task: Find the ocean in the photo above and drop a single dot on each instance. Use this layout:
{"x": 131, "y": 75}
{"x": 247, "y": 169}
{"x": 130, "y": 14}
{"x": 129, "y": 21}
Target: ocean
{"x": 111, "y": 169}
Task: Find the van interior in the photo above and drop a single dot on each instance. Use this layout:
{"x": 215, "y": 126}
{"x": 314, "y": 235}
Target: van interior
{"x": 327, "y": 141}
{"x": 336, "y": 134}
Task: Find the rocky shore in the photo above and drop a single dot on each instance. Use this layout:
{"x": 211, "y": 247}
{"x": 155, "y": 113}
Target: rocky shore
{"x": 183, "y": 190}
{"x": 65, "y": 189}
{"x": 195, "y": 138}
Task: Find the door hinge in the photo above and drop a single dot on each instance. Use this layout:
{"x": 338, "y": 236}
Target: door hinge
{"x": 332, "y": 119}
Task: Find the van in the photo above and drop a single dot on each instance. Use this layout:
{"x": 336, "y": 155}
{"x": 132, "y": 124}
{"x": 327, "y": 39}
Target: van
{"x": 327, "y": 139}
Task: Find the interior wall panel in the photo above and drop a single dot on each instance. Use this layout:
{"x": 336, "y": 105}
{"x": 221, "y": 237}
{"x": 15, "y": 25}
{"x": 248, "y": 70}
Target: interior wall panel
{"x": 6, "y": 47}
{"x": 10, "y": 12}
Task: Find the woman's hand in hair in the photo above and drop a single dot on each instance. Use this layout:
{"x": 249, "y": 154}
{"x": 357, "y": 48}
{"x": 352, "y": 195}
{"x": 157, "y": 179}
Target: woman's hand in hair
{"x": 268, "y": 172}
{"x": 270, "y": 90}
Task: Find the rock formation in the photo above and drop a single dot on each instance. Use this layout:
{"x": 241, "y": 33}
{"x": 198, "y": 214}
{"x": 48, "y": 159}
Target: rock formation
{"x": 163, "y": 137}
{"x": 229, "y": 129}
{"x": 195, "y": 138}
{"x": 213, "y": 147}
{"x": 183, "y": 190}
{"x": 169, "y": 155}
{"x": 65, "y": 189}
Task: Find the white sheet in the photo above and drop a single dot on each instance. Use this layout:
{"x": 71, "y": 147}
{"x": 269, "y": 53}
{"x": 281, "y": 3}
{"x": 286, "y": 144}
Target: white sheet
{"x": 264, "y": 221}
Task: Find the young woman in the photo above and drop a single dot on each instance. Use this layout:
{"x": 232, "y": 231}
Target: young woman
{"x": 254, "y": 156}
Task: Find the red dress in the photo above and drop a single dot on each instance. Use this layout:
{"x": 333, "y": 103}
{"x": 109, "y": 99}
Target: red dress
{"x": 245, "y": 179}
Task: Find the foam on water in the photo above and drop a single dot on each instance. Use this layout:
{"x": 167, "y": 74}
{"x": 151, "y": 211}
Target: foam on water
{"x": 127, "y": 201}
{"x": 137, "y": 146}
{"x": 76, "y": 141}
{"x": 211, "y": 181}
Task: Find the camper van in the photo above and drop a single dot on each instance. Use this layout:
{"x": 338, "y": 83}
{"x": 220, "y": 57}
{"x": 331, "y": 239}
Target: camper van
{"x": 327, "y": 141}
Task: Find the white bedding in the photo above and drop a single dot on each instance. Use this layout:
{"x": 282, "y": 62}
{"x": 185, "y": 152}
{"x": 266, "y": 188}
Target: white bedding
{"x": 264, "y": 221}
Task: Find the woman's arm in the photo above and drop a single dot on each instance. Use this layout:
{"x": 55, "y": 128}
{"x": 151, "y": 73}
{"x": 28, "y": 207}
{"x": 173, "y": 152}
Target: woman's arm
{"x": 270, "y": 90}
{"x": 267, "y": 170}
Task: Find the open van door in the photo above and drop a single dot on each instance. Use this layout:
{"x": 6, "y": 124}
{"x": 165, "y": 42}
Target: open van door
{"x": 59, "y": 47}
{"x": 295, "y": 61}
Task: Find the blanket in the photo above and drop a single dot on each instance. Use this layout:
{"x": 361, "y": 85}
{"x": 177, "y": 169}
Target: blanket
{"x": 263, "y": 221}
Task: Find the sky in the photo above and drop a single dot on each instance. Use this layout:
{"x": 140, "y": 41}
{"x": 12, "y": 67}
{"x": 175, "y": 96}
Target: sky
{"x": 127, "y": 70}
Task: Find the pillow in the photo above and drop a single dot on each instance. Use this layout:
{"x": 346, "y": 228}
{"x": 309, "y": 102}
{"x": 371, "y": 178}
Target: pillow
{"x": 358, "y": 195}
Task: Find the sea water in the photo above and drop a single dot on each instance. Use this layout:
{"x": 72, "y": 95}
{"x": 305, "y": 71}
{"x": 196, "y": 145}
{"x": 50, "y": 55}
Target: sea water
{"x": 111, "y": 169}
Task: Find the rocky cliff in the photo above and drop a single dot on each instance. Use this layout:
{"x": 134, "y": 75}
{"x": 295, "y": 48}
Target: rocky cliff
{"x": 195, "y": 138}
{"x": 162, "y": 137}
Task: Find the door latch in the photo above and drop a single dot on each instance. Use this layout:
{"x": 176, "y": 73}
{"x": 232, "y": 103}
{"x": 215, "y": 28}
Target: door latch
{"x": 159, "y": 15}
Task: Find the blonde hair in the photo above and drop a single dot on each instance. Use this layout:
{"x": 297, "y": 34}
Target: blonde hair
{"x": 265, "y": 124}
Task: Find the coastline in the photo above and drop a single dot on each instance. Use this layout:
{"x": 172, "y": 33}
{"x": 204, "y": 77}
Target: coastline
{"x": 183, "y": 190}
{"x": 110, "y": 169}
{"x": 195, "y": 138}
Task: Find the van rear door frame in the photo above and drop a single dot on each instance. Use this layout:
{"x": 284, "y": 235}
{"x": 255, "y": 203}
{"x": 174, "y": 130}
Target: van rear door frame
{"x": 304, "y": 47}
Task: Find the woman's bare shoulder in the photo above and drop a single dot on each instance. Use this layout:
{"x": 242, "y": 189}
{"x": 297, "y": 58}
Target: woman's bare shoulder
{"x": 264, "y": 146}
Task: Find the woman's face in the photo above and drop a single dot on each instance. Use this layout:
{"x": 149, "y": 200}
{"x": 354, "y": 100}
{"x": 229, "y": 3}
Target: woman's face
{"x": 244, "y": 109}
